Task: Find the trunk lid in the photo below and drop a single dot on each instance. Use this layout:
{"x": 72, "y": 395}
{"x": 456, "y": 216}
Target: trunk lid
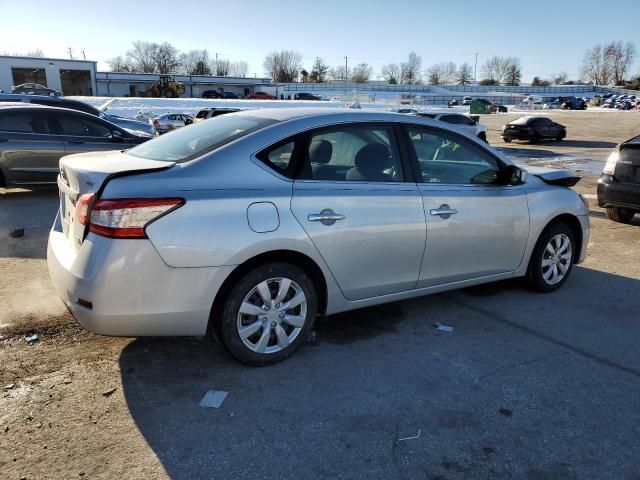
{"x": 88, "y": 173}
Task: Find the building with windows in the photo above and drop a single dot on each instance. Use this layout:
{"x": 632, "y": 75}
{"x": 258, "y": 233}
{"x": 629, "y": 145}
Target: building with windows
{"x": 71, "y": 77}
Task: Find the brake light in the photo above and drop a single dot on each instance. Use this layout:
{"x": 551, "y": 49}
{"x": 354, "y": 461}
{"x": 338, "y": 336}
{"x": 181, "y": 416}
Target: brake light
{"x": 610, "y": 166}
{"x": 82, "y": 207}
{"x": 128, "y": 217}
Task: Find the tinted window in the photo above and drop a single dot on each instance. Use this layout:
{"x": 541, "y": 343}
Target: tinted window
{"x": 82, "y": 107}
{"x": 447, "y": 158}
{"x": 81, "y": 126}
{"x": 188, "y": 143}
{"x": 23, "y": 122}
{"x": 353, "y": 153}
{"x": 202, "y": 114}
{"x": 279, "y": 157}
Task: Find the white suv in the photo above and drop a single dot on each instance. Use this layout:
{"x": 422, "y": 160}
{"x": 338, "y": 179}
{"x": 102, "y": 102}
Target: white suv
{"x": 460, "y": 120}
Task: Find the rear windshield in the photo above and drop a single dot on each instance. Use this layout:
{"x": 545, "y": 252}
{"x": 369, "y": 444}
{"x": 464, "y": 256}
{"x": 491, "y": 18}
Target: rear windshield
{"x": 522, "y": 121}
{"x": 202, "y": 114}
{"x": 195, "y": 140}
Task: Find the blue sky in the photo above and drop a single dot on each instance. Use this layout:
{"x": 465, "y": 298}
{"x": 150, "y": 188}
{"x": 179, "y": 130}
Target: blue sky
{"x": 548, "y": 36}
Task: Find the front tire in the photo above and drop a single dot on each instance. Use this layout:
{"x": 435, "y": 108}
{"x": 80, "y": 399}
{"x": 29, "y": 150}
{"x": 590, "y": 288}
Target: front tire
{"x": 507, "y": 140}
{"x": 620, "y": 215}
{"x": 552, "y": 259}
{"x": 268, "y": 314}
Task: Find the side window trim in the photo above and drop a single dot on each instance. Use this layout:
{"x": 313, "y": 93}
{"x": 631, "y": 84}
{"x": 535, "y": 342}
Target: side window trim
{"x": 417, "y": 171}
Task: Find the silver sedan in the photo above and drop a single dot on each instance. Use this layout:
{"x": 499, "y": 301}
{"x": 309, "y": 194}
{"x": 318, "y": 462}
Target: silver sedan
{"x": 249, "y": 225}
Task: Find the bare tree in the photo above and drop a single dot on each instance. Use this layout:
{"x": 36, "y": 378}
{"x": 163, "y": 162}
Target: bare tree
{"x": 361, "y": 73}
{"x": 283, "y": 66}
{"x": 410, "y": 70}
{"x": 435, "y": 74}
{"x": 239, "y": 68}
{"x": 560, "y": 78}
{"x": 538, "y": 82}
{"x": 319, "y": 71}
{"x": 391, "y": 73}
{"x": 621, "y": 57}
{"x": 120, "y": 64}
{"x": 166, "y": 58}
{"x": 596, "y": 65}
{"x": 496, "y": 68}
{"x": 513, "y": 73}
{"x": 195, "y": 62}
{"x": 36, "y": 52}
{"x": 465, "y": 74}
{"x": 141, "y": 56}
{"x": 222, "y": 67}
{"x": 341, "y": 72}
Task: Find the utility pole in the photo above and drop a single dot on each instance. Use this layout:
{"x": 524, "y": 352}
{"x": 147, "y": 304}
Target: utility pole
{"x": 70, "y": 50}
{"x": 475, "y": 69}
{"x": 346, "y": 73}
{"x": 83, "y": 55}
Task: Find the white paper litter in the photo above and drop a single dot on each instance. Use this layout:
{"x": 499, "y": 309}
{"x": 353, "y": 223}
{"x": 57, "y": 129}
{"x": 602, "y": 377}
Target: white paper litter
{"x": 213, "y": 399}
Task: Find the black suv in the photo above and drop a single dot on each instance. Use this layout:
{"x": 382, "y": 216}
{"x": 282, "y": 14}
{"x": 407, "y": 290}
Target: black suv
{"x": 619, "y": 184}
{"x": 305, "y": 96}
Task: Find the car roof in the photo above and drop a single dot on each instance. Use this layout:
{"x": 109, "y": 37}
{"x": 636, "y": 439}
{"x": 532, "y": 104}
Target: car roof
{"x": 292, "y": 113}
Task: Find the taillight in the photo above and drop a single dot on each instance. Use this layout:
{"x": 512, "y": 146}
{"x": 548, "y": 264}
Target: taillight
{"x": 82, "y": 207}
{"x": 156, "y": 122}
{"x": 610, "y": 166}
{"x": 128, "y": 217}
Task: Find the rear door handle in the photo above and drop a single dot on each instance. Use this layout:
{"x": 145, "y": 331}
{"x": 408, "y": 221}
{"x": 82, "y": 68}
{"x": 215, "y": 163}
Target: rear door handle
{"x": 75, "y": 142}
{"x": 444, "y": 211}
{"x": 326, "y": 216}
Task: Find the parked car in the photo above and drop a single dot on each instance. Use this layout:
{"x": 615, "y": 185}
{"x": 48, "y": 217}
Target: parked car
{"x": 205, "y": 113}
{"x": 453, "y": 103}
{"x": 466, "y": 100}
{"x": 554, "y": 105}
{"x": 619, "y": 184}
{"x": 460, "y": 120}
{"x": 305, "y": 96}
{"x": 230, "y": 95}
{"x": 497, "y": 108}
{"x": 34, "y": 89}
{"x": 133, "y": 126}
{"x": 249, "y": 225}
{"x": 534, "y": 129}
{"x": 211, "y": 94}
{"x": 261, "y": 96}
{"x": 170, "y": 121}
{"x": 573, "y": 104}
{"x": 407, "y": 110}
{"x": 34, "y": 137}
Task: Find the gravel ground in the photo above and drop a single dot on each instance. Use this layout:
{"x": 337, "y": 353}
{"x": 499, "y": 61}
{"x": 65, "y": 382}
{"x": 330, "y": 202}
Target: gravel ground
{"x": 526, "y": 386}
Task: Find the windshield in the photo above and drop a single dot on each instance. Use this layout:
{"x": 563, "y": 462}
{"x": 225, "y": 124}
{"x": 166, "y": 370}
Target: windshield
{"x": 195, "y": 140}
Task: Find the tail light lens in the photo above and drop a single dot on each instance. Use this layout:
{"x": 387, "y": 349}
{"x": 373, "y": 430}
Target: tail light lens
{"x": 83, "y": 205}
{"x": 610, "y": 166}
{"x": 128, "y": 217}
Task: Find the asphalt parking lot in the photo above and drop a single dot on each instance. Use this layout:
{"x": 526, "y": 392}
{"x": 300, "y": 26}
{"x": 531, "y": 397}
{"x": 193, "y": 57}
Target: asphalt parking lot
{"x": 527, "y": 386}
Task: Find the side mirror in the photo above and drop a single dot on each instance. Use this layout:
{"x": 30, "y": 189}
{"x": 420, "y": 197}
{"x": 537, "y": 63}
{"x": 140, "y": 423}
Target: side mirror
{"x": 515, "y": 175}
{"x": 116, "y": 136}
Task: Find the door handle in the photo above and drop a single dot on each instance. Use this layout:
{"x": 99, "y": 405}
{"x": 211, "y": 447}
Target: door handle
{"x": 75, "y": 142}
{"x": 326, "y": 216}
{"x": 444, "y": 211}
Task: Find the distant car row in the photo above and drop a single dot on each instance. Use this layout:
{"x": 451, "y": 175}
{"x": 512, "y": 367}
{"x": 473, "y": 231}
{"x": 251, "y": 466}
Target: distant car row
{"x": 621, "y": 102}
{"x": 258, "y": 95}
{"x": 566, "y": 103}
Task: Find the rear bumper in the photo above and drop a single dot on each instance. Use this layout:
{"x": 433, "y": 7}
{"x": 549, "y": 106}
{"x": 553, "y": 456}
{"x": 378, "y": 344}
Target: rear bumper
{"x": 612, "y": 193}
{"x": 131, "y": 290}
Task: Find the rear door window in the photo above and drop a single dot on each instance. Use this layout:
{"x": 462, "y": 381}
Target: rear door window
{"x": 23, "y": 122}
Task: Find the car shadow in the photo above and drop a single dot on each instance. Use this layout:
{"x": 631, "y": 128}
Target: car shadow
{"x": 339, "y": 406}
{"x": 517, "y": 151}
{"x": 601, "y": 214}
{"x": 26, "y": 217}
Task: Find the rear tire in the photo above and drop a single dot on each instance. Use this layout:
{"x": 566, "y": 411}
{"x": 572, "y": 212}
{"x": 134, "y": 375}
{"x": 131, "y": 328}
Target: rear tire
{"x": 507, "y": 140}
{"x": 620, "y": 215}
{"x": 552, "y": 259}
{"x": 257, "y": 326}
{"x": 169, "y": 93}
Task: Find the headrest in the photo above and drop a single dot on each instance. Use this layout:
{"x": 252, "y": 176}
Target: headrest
{"x": 320, "y": 151}
{"x": 373, "y": 157}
